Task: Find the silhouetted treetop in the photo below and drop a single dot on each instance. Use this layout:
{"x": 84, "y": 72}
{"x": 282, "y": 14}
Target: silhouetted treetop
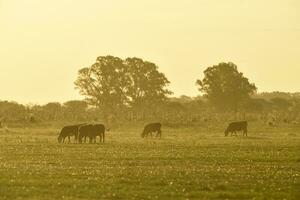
{"x": 225, "y": 87}
{"x": 113, "y": 84}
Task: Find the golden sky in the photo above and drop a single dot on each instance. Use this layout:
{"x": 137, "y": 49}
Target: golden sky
{"x": 44, "y": 43}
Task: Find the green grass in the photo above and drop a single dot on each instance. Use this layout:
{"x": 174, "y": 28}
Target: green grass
{"x": 187, "y": 163}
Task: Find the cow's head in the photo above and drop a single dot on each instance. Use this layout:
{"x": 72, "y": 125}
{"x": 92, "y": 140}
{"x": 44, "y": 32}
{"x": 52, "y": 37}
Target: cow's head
{"x": 59, "y": 139}
{"x": 226, "y": 132}
{"x": 143, "y": 134}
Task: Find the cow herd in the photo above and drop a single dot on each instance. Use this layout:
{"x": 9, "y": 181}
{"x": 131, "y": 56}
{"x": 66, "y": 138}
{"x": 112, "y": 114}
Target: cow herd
{"x": 82, "y": 132}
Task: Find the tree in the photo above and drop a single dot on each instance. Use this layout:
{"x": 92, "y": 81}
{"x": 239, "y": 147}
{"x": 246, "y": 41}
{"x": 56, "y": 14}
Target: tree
{"x": 104, "y": 85}
{"x": 75, "y": 109}
{"x": 12, "y": 111}
{"x": 52, "y": 111}
{"x": 114, "y": 85}
{"x": 281, "y": 104}
{"x": 256, "y": 105}
{"x": 147, "y": 86}
{"x": 225, "y": 87}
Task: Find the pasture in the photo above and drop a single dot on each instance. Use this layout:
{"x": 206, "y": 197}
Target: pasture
{"x": 187, "y": 163}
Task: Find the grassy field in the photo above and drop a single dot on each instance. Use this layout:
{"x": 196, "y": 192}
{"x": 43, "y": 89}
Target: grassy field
{"x": 187, "y": 163}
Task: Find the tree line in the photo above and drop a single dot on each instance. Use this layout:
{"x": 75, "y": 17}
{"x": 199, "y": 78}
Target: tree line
{"x": 134, "y": 90}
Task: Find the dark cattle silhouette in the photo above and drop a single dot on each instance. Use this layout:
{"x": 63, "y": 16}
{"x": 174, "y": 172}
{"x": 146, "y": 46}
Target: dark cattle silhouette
{"x": 84, "y": 132}
{"x": 99, "y": 130}
{"x": 152, "y": 128}
{"x": 237, "y": 126}
{"x": 69, "y": 131}
{"x": 92, "y": 131}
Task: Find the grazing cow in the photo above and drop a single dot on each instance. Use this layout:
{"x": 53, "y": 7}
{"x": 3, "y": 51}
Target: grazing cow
{"x": 84, "y": 132}
{"x": 92, "y": 131}
{"x": 99, "y": 130}
{"x": 152, "y": 128}
{"x": 237, "y": 126}
{"x": 69, "y": 131}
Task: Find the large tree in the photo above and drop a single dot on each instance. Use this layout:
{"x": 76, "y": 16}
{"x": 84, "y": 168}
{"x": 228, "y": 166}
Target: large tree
{"x": 104, "y": 84}
{"x": 113, "y": 84}
{"x": 147, "y": 86}
{"x": 225, "y": 87}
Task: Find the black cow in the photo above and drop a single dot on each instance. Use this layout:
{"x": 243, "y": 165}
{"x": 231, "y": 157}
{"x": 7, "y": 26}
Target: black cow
{"x": 69, "y": 131}
{"x": 92, "y": 131}
{"x": 84, "y": 132}
{"x": 152, "y": 128}
{"x": 99, "y": 130}
{"x": 237, "y": 126}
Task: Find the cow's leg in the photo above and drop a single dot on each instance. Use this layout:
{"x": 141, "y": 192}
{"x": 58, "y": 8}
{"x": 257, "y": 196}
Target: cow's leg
{"x": 159, "y": 134}
{"x": 93, "y": 138}
{"x": 103, "y": 137}
{"x": 75, "y": 138}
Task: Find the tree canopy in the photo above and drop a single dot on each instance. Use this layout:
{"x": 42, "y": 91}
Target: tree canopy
{"x": 225, "y": 87}
{"x": 112, "y": 84}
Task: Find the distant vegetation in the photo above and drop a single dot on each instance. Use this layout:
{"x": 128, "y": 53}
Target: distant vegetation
{"x": 133, "y": 90}
{"x": 192, "y": 159}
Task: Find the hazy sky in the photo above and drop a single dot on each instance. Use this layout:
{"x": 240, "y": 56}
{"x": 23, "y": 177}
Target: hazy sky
{"x": 44, "y": 43}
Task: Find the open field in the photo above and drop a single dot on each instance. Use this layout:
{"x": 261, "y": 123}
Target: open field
{"x": 187, "y": 163}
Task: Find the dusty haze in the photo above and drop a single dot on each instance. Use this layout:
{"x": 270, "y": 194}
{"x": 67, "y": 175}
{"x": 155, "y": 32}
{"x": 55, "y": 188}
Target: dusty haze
{"x": 44, "y": 43}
